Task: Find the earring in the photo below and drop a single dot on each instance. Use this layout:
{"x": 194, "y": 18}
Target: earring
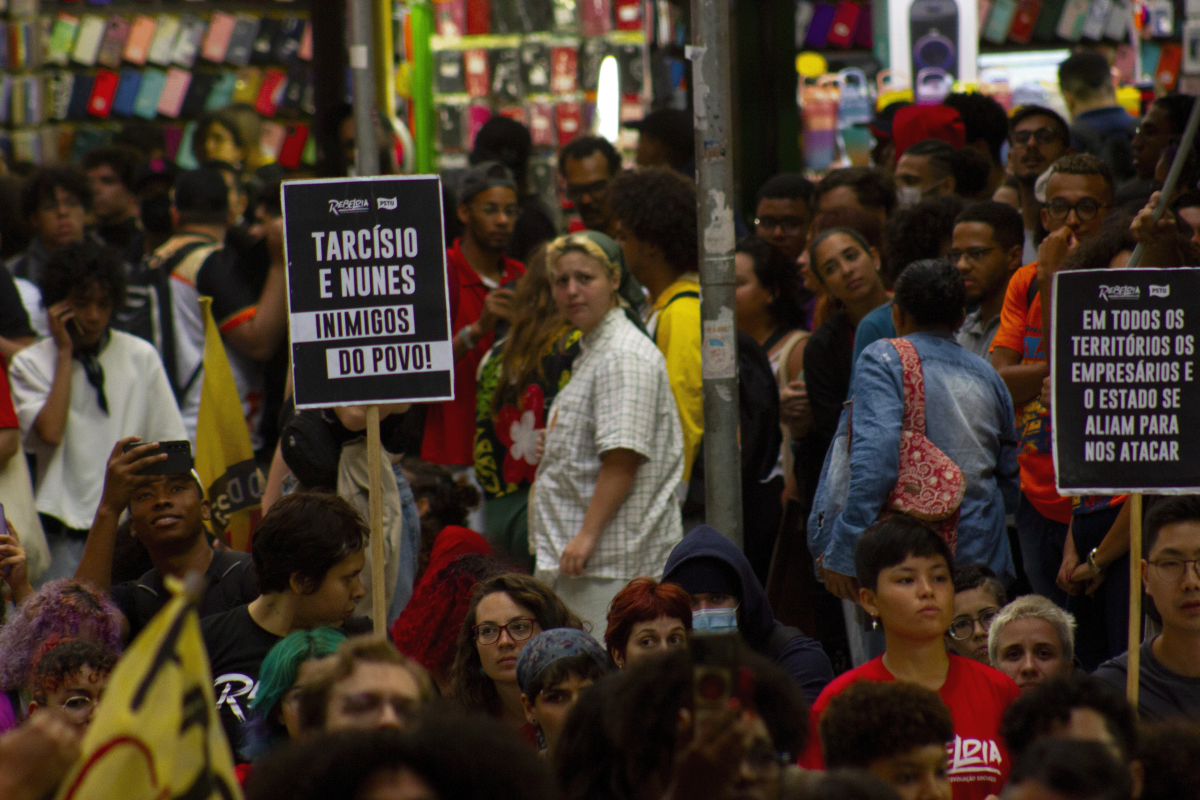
{"x": 874, "y": 623}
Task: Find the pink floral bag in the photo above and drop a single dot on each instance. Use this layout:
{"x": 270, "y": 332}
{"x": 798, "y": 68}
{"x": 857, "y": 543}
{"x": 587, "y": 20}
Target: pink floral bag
{"x": 929, "y": 485}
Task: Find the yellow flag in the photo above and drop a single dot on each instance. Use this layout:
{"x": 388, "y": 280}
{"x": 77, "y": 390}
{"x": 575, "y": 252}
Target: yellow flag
{"x": 156, "y": 734}
{"x": 224, "y": 455}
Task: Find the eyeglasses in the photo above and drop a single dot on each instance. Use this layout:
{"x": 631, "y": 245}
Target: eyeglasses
{"x": 1086, "y": 209}
{"x": 973, "y": 254}
{"x": 964, "y": 627}
{"x": 1173, "y": 569}
{"x": 578, "y": 190}
{"x": 789, "y": 225}
{"x": 369, "y": 704}
{"x": 1041, "y": 136}
{"x": 518, "y": 630}
{"x": 79, "y": 707}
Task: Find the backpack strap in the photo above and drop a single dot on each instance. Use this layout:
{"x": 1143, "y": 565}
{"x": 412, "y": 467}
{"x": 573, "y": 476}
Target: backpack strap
{"x": 680, "y": 296}
{"x": 914, "y": 385}
{"x": 1031, "y": 292}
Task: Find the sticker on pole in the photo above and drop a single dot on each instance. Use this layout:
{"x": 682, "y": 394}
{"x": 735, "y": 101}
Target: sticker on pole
{"x": 368, "y": 306}
{"x": 1124, "y": 392}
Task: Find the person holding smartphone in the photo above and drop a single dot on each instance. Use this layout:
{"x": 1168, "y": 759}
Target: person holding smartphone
{"x": 81, "y": 389}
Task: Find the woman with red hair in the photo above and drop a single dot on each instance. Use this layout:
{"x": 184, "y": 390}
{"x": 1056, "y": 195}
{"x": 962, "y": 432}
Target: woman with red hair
{"x": 647, "y": 619}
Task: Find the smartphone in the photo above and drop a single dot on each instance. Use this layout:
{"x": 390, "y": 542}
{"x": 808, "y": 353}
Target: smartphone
{"x": 715, "y": 666}
{"x": 178, "y": 460}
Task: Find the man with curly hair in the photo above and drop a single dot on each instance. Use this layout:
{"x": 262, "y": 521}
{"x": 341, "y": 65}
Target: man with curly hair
{"x": 656, "y": 225}
{"x": 71, "y": 676}
{"x": 901, "y": 733}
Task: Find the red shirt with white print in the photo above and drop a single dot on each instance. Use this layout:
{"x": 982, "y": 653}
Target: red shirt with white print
{"x": 976, "y": 694}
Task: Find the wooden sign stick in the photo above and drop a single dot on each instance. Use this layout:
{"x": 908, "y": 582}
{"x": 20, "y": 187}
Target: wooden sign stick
{"x": 375, "y": 487}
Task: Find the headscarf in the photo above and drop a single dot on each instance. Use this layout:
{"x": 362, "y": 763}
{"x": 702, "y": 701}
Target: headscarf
{"x": 588, "y": 244}
{"x": 629, "y": 290}
{"x": 552, "y": 645}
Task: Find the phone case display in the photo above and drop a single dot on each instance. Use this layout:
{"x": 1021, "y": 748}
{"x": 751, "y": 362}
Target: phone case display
{"x": 71, "y": 72}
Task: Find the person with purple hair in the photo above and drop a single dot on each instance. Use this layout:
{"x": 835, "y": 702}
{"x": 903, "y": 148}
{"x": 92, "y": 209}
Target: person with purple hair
{"x": 61, "y": 609}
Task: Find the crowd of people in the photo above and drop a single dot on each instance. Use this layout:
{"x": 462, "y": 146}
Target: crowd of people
{"x": 551, "y": 587}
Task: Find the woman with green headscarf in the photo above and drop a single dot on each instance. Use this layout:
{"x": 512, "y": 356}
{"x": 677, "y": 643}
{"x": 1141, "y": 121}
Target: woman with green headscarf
{"x": 603, "y": 509}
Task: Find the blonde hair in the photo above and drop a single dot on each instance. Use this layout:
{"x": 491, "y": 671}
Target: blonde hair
{"x": 578, "y": 243}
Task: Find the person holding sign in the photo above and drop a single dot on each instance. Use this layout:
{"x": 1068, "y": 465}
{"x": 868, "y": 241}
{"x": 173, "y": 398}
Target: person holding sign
{"x": 604, "y": 508}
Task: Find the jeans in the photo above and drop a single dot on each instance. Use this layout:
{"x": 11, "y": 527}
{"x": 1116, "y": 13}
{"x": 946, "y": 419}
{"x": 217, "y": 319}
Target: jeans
{"x": 66, "y": 550}
{"x": 1042, "y": 543}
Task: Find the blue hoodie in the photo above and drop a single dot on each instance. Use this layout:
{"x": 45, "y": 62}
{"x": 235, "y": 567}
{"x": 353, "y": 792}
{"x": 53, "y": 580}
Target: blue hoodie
{"x": 800, "y": 657}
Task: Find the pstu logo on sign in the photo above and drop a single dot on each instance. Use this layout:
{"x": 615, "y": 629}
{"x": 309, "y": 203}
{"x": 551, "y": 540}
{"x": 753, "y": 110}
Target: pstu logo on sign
{"x": 1120, "y": 293}
{"x": 388, "y": 203}
{"x": 339, "y": 207}
{"x": 1160, "y": 291}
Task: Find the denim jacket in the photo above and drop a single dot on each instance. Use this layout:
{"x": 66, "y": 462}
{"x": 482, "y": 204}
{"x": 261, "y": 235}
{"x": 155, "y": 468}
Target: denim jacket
{"x": 968, "y": 415}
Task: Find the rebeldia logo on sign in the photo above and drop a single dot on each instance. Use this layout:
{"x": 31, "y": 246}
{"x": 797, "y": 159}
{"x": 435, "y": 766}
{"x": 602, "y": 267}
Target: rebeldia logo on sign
{"x": 1120, "y": 293}
{"x": 339, "y": 207}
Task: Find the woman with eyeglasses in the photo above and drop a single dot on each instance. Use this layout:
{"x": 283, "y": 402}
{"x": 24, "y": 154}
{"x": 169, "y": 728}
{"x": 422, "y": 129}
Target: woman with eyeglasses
{"x": 978, "y": 598}
{"x": 506, "y": 611}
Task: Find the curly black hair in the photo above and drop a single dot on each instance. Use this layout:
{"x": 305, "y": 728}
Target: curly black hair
{"x": 932, "y": 291}
{"x": 39, "y": 187}
{"x": 67, "y": 659}
{"x": 581, "y": 147}
{"x": 923, "y": 231}
{"x": 983, "y": 118}
{"x": 872, "y": 720}
{"x": 78, "y": 266}
{"x": 1074, "y": 769}
{"x": 1046, "y": 707}
{"x": 1169, "y": 752}
{"x": 123, "y": 160}
{"x": 658, "y": 206}
{"x": 305, "y": 534}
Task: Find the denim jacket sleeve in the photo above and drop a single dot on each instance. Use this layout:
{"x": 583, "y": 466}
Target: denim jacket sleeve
{"x": 876, "y": 420}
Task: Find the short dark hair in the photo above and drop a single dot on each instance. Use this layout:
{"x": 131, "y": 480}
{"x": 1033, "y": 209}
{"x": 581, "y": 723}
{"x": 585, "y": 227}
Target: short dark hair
{"x": 922, "y": 231}
{"x": 504, "y": 140}
{"x": 983, "y": 118}
{"x": 1178, "y": 108}
{"x": 67, "y": 659}
{"x": 871, "y": 186}
{"x": 1169, "y": 752}
{"x": 1084, "y": 164}
{"x": 268, "y": 198}
{"x": 850, "y": 784}
{"x": 658, "y": 206}
{"x": 888, "y": 542}
{"x": 201, "y": 197}
{"x": 1084, "y": 75}
{"x": 77, "y": 266}
{"x": 305, "y": 534}
{"x": 39, "y": 187}
{"x": 932, "y": 291}
{"x": 871, "y": 720}
{"x": 583, "y": 146}
{"x": 1168, "y": 511}
{"x": 776, "y": 273}
{"x": 1023, "y": 113}
{"x": 1043, "y": 708}
{"x": 122, "y": 159}
{"x": 787, "y": 186}
{"x": 937, "y": 151}
{"x": 1008, "y": 229}
{"x": 227, "y": 119}
{"x": 979, "y": 576}
{"x": 1074, "y": 769}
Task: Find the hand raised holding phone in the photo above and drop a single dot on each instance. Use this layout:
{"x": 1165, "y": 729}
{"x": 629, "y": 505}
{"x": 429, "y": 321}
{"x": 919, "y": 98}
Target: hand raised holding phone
{"x": 63, "y": 327}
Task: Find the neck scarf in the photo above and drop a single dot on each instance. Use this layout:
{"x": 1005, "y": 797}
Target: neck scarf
{"x": 90, "y": 358}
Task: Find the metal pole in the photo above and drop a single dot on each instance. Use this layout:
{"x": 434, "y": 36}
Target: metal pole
{"x": 1181, "y": 157}
{"x": 712, "y": 107}
{"x": 362, "y": 67}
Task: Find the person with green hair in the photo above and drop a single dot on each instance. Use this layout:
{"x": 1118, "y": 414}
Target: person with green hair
{"x": 274, "y": 714}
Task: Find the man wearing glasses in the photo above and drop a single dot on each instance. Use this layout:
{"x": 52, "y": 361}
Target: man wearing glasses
{"x": 587, "y": 164}
{"x": 986, "y": 248}
{"x": 1037, "y": 137}
{"x": 1169, "y": 677}
{"x": 1078, "y": 198}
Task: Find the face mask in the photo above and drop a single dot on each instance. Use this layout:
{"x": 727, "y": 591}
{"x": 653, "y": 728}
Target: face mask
{"x": 907, "y": 196}
{"x": 156, "y": 213}
{"x": 714, "y": 620}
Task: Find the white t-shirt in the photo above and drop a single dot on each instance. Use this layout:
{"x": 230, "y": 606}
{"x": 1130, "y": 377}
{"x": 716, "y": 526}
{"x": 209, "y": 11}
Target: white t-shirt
{"x": 70, "y": 477}
{"x": 31, "y": 298}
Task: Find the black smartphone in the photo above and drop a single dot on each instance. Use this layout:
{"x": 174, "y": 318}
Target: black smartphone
{"x": 178, "y": 460}
{"x": 715, "y": 666}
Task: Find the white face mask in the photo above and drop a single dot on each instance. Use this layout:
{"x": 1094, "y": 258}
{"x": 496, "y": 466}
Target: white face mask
{"x": 907, "y": 196}
{"x": 714, "y": 620}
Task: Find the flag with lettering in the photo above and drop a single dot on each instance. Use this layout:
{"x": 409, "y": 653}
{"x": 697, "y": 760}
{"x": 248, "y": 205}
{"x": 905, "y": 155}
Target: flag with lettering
{"x": 156, "y": 733}
{"x": 224, "y": 454}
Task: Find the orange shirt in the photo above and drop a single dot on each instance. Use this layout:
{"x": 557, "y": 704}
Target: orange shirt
{"x": 1021, "y": 331}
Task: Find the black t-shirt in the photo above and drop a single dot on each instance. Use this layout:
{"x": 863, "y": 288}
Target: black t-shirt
{"x": 233, "y": 297}
{"x": 14, "y": 319}
{"x": 1162, "y": 694}
{"x": 229, "y": 583}
{"x": 236, "y": 647}
{"x": 828, "y": 364}
{"x": 126, "y": 236}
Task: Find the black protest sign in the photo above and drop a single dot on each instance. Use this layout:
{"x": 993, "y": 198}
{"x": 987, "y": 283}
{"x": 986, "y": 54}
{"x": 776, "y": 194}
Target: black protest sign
{"x": 1124, "y": 383}
{"x": 369, "y": 310}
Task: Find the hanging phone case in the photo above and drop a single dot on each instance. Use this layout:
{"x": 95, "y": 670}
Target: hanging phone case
{"x": 507, "y": 85}
{"x": 818, "y": 29}
{"x": 293, "y": 145}
{"x": 628, "y": 14}
{"x": 146, "y": 104}
{"x": 115, "y": 34}
{"x": 241, "y": 41}
{"x": 274, "y": 84}
{"x": 845, "y": 20}
{"x": 170, "y": 102}
{"x": 999, "y": 21}
{"x": 1167, "y": 71}
{"x": 141, "y": 35}
{"x": 450, "y": 127}
{"x": 595, "y": 17}
{"x": 166, "y": 30}
{"x": 217, "y": 39}
{"x": 568, "y": 120}
{"x": 1070, "y": 26}
{"x": 448, "y": 78}
{"x": 61, "y": 85}
{"x": 87, "y": 41}
{"x": 268, "y": 29}
{"x": 479, "y": 13}
{"x": 475, "y": 72}
{"x": 127, "y": 91}
{"x": 62, "y": 36}
{"x": 187, "y": 43}
{"x": 801, "y": 19}
{"x": 249, "y": 81}
{"x": 1024, "y": 20}
{"x": 221, "y": 93}
{"x": 864, "y": 36}
{"x": 1097, "y": 19}
{"x": 287, "y": 44}
{"x": 197, "y": 92}
{"x": 273, "y": 136}
{"x": 81, "y": 92}
{"x": 104, "y": 88}
{"x": 1118, "y": 22}
{"x": 541, "y": 123}
{"x": 563, "y": 70}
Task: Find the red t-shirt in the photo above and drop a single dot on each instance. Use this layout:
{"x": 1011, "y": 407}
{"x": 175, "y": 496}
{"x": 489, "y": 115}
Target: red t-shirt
{"x": 976, "y": 695}
{"x": 8, "y": 415}
{"x": 450, "y": 425}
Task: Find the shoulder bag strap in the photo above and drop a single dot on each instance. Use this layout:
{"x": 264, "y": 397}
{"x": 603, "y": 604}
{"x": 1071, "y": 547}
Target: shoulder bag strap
{"x": 785, "y": 354}
{"x": 914, "y": 385}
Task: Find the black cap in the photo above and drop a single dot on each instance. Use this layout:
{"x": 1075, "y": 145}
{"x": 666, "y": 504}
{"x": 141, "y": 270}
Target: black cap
{"x": 155, "y": 169}
{"x": 201, "y": 190}
{"x": 669, "y": 125}
{"x": 482, "y": 177}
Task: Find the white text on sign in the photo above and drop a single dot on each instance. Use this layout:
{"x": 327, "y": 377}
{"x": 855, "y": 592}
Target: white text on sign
{"x": 388, "y": 359}
{"x": 354, "y": 323}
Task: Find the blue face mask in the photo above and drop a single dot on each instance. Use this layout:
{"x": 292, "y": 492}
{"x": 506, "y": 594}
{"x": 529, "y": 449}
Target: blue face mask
{"x": 714, "y": 620}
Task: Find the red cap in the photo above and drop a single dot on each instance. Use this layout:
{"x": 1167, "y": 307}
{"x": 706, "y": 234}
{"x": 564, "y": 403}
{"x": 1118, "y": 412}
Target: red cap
{"x": 918, "y": 122}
